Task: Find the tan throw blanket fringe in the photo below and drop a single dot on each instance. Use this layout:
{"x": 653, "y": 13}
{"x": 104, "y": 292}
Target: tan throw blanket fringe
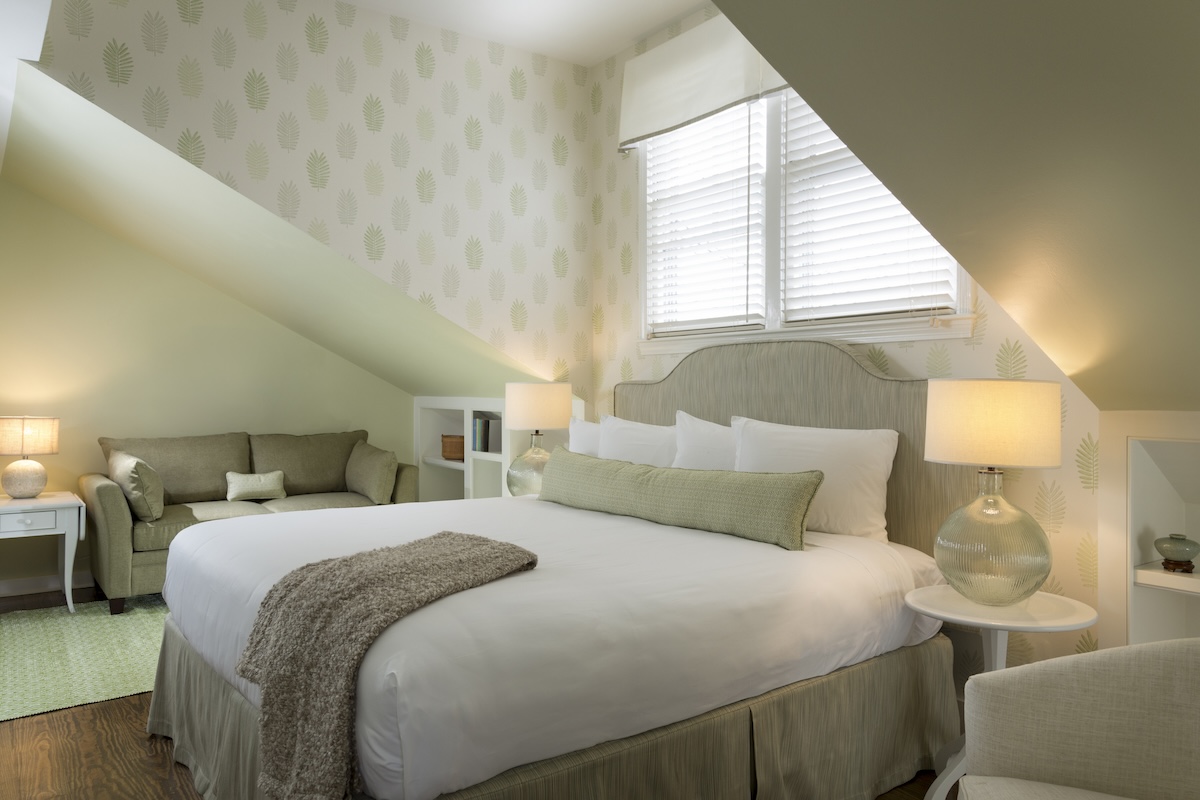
{"x": 312, "y": 631}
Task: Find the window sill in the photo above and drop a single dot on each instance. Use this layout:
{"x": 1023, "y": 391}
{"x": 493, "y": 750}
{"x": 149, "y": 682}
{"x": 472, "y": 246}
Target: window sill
{"x": 890, "y": 330}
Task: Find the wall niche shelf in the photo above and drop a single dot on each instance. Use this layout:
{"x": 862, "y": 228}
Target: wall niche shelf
{"x": 1164, "y": 498}
{"x": 1152, "y": 574}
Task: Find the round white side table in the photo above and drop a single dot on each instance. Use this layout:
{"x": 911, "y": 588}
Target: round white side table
{"x": 1040, "y": 613}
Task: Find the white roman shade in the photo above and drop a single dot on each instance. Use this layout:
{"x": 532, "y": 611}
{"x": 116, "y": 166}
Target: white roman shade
{"x": 698, "y": 73}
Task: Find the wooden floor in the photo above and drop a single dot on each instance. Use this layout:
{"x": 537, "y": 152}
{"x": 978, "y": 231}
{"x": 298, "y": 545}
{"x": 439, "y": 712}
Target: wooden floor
{"x": 101, "y": 751}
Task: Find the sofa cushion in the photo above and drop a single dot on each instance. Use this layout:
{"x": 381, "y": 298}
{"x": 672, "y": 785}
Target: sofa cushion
{"x": 372, "y": 472}
{"x": 979, "y": 787}
{"x": 141, "y": 485}
{"x": 308, "y": 502}
{"x": 192, "y": 468}
{"x": 255, "y": 486}
{"x": 157, "y": 535}
{"x": 310, "y": 464}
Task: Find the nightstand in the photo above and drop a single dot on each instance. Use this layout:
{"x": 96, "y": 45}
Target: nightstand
{"x": 1040, "y": 613}
{"x": 48, "y": 514}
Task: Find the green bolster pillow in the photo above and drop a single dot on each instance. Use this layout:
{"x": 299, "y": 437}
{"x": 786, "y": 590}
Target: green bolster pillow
{"x": 765, "y": 507}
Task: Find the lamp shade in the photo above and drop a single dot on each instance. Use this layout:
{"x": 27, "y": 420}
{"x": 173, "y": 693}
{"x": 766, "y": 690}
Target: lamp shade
{"x": 537, "y": 406}
{"x": 28, "y": 436}
{"x": 994, "y": 423}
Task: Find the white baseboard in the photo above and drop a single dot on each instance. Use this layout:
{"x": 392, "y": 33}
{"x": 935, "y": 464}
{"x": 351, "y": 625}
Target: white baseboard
{"x": 81, "y": 579}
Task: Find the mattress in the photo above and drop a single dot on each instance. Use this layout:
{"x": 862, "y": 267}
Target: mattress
{"x": 624, "y": 626}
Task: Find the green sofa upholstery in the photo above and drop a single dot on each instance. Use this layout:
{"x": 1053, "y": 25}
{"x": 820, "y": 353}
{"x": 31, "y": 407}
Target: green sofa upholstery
{"x": 129, "y": 554}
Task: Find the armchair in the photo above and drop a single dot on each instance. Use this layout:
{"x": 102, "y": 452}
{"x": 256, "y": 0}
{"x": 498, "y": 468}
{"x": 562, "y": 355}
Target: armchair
{"x": 1123, "y": 722}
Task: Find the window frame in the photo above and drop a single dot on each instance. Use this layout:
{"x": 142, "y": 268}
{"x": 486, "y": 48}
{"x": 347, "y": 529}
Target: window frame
{"x": 918, "y": 327}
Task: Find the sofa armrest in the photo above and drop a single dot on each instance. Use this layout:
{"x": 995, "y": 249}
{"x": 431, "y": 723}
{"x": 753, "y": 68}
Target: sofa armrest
{"x": 110, "y": 528}
{"x": 1120, "y": 721}
{"x": 406, "y": 484}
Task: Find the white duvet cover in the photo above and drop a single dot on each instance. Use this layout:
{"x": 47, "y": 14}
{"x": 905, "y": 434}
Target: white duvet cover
{"x": 624, "y": 626}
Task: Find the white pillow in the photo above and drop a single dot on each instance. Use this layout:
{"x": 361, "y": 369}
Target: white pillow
{"x": 624, "y": 440}
{"x": 700, "y": 444}
{"x": 255, "y": 486}
{"x": 853, "y": 498}
{"x": 584, "y": 437}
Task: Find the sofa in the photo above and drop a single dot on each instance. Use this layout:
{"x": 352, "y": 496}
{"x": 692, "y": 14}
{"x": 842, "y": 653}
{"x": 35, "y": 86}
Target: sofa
{"x": 1117, "y": 723}
{"x": 156, "y": 487}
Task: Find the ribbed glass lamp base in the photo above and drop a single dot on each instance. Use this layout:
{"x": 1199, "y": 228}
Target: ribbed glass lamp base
{"x": 990, "y": 551}
{"x": 525, "y": 472}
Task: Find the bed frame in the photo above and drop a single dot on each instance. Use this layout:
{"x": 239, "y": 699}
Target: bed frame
{"x": 852, "y": 734}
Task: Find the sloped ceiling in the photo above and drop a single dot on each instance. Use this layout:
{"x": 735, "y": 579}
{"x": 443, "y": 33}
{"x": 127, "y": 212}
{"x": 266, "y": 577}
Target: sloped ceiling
{"x": 86, "y": 161}
{"x": 1050, "y": 147}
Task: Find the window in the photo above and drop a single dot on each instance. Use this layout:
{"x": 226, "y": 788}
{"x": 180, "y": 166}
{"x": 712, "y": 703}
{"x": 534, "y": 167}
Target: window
{"x": 759, "y": 218}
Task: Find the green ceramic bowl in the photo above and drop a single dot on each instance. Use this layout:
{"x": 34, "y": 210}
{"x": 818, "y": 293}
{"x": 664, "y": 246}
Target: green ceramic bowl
{"x": 1177, "y": 547}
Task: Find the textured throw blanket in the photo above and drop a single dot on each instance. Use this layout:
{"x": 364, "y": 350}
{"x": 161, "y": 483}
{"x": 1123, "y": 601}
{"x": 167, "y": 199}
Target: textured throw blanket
{"x": 312, "y": 631}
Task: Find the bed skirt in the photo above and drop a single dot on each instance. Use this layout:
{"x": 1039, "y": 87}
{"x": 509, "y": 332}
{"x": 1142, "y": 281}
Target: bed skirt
{"x": 851, "y": 735}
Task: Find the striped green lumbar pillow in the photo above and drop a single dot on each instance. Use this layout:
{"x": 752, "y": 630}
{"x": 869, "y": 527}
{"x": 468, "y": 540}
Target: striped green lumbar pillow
{"x": 766, "y": 507}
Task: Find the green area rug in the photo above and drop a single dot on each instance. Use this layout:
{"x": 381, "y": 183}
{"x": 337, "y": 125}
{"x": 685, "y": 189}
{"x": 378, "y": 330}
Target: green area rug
{"x": 51, "y": 658}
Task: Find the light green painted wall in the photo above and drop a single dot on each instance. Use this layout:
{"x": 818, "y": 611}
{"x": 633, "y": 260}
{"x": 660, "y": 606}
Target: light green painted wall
{"x": 118, "y": 343}
{"x": 556, "y": 286}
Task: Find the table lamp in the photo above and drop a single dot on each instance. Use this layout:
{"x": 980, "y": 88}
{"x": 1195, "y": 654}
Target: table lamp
{"x": 991, "y": 551}
{"x": 534, "y": 407}
{"x": 24, "y": 437}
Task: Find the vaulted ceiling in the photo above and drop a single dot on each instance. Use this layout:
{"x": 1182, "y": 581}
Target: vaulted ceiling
{"x": 1050, "y": 147}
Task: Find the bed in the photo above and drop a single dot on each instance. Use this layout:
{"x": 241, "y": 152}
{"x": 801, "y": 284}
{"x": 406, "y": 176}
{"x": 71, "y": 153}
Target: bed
{"x": 653, "y": 675}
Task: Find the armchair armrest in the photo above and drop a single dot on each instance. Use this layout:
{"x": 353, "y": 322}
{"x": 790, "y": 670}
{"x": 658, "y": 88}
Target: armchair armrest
{"x": 406, "y": 484}
{"x": 1121, "y": 721}
{"x": 110, "y": 527}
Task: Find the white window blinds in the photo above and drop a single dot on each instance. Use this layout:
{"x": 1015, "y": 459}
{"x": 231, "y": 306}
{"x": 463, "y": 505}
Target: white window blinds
{"x": 705, "y": 224}
{"x": 759, "y": 217}
{"x": 850, "y": 249}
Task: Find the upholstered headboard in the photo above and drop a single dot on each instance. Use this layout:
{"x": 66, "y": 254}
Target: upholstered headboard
{"x": 818, "y": 384}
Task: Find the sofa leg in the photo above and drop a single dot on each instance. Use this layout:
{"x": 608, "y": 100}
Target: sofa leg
{"x": 116, "y": 605}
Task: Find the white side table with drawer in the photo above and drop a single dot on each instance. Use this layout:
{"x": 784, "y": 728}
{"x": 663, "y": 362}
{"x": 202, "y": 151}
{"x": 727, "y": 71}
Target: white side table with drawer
{"x": 48, "y": 514}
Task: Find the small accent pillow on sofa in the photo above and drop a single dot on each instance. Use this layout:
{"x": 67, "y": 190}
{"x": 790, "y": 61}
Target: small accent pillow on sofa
{"x": 372, "y": 473}
{"x": 142, "y": 486}
{"x": 765, "y": 508}
{"x": 856, "y": 463}
{"x": 637, "y": 442}
{"x": 255, "y": 486}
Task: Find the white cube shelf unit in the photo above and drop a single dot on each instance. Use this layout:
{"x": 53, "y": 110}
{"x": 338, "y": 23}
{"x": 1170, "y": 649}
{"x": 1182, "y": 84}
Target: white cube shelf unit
{"x": 483, "y": 471}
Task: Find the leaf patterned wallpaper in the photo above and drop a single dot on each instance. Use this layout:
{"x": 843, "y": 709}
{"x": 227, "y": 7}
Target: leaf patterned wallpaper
{"x": 486, "y": 183}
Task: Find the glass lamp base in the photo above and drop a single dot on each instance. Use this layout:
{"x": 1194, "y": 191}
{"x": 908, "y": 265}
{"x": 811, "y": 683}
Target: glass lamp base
{"x": 525, "y": 472}
{"x": 990, "y": 551}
